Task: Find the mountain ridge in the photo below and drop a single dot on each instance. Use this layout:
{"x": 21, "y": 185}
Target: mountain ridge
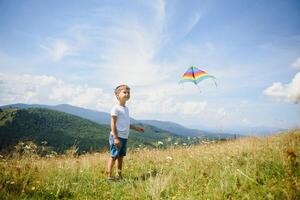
{"x": 104, "y": 118}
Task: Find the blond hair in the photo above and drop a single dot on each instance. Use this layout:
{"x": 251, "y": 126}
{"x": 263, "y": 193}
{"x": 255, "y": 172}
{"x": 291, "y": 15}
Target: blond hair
{"x": 121, "y": 87}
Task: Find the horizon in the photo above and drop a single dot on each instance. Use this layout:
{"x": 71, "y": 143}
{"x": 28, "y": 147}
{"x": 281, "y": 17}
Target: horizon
{"x": 76, "y": 53}
{"x": 239, "y": 130}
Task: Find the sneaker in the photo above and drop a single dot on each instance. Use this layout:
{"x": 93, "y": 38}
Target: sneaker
{"x": 111, "y": 178}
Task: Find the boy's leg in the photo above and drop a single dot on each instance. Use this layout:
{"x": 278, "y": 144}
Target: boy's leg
{"x": 119, "y": 165}
{"x": 110, "y": 164}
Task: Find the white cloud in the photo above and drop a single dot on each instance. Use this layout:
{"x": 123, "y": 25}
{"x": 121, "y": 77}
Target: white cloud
{"x": 167, "y": 102}
{"x": 123, "y": 47}
{"x": 246, "y": 122}
{"x": 45, "y": 89}
{"x": 169, "y": 105}
{"x": 296, "y": 64}
{"x": 285, "y": 92}
{"x": 50, "y": 90}
{"x": 193, "y": 21}
{"x": 129, "y": 56}
{"x": 58, "y": 49}
{"x": 221, "y": 113}
{"x": 193, "y": 108}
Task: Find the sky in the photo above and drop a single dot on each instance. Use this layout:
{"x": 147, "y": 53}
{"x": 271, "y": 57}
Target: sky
{"x": 76, "y": 52}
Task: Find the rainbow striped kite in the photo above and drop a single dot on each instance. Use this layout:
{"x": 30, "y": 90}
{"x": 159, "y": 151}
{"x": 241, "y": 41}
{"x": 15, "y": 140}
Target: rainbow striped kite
{"x": 195, "y": 75}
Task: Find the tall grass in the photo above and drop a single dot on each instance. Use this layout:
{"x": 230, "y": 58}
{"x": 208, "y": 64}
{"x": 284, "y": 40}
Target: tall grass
{"x": 249, "y": 168}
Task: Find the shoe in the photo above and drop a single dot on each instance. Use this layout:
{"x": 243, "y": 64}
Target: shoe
{"x": 111, "y": 178}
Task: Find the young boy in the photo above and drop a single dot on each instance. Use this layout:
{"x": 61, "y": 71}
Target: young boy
{"x": 120, "y": 125}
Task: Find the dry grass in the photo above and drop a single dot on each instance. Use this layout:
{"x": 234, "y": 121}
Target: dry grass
{"x": 249, "y": 168}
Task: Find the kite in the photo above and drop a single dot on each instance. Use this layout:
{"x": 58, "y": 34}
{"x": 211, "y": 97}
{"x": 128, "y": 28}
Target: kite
{"x": 195, "y": 75}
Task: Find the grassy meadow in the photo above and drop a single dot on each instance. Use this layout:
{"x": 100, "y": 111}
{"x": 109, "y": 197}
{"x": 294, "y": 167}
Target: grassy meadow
{"x": 247, "y": 168}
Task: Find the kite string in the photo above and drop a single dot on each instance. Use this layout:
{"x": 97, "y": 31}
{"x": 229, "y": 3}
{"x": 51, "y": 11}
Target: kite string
{"x": 215, "y": 83}
{"x": 198, "y": 87}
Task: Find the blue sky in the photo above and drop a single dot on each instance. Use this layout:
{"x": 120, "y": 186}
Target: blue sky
{"x": 76, "y": 52}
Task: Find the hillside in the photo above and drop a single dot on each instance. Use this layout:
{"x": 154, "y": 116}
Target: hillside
{"x": 92, "y": 115}
{"x": 248, "y": 168}
{"x": 104, "y": 118}
{"x": 62, "y": 131}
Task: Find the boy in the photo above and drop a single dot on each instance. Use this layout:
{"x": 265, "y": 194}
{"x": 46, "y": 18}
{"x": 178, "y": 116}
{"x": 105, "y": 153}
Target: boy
{"x": 120, "y": 125}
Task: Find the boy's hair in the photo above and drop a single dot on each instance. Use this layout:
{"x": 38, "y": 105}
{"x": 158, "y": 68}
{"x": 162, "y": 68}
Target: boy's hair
{"x": 121, "y": 87}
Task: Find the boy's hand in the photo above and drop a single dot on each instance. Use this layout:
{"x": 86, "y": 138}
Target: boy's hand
{"x": 117, "y": 142}
{"x": 140, "y": 129}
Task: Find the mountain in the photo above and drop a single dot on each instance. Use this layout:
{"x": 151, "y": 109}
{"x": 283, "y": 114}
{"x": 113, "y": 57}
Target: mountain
{"x": 95, "y": 116}
{"x": 104, "y": 118}
{"x": 183, "y": 131}
{"x": 174, "y": 128}
{"x": 62, "y": 131}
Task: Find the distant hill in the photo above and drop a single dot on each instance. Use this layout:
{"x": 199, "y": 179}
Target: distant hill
{"x": 62, "y": 131}
{"x": 175, "y": 128}
{"x": 183, "y": 131}
{"x": 104, "y": 118}
{"x": 95, "y": 116}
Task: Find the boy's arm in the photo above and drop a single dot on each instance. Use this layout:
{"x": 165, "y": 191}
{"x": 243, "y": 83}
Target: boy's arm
{"x": 139, "y": 129}
{"x": 113, "y": 126}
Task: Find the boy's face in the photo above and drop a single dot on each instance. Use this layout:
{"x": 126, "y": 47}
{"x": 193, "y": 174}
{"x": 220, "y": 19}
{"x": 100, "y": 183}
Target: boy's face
{"x": 124, "y": 94}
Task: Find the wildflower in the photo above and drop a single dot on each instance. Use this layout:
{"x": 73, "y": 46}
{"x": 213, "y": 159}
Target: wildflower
{"x": 169, "y": 158}
{"x": 184, "y": 144}
{"x": 176, "y": 143}
{"x": 32, "y": 188}
{"x": 160, "y": 143}
{"x": 44, "y": 142}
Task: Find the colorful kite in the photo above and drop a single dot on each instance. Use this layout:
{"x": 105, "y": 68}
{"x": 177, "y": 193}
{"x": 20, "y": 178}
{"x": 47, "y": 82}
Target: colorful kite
{"x": 195, "y": 75}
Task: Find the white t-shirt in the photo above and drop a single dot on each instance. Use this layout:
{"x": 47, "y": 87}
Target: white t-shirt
{"x": 123, "y": 120}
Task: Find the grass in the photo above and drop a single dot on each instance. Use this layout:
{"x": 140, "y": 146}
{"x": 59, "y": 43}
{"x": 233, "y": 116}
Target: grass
{"x": 248, "y": 168}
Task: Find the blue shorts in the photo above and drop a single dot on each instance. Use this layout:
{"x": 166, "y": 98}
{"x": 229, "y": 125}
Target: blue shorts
{"x": 117, "y": 152}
